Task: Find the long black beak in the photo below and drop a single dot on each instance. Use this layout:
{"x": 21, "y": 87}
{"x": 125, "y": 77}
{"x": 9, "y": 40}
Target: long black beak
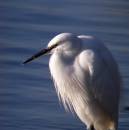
{"x": 42, "y": 52}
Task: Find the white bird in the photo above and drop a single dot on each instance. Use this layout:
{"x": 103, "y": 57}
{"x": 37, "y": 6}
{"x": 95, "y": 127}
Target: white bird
{"x": 86, "y": 79}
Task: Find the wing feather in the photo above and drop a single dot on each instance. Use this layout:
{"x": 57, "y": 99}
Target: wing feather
{"x": 101, "y": 71}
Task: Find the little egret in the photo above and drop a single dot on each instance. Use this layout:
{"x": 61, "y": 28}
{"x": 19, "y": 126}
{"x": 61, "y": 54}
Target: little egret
{"x": 86, "y": 78}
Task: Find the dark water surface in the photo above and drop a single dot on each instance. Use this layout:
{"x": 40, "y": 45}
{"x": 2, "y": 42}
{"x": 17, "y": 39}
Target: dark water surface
{"x": 27, "y": 97}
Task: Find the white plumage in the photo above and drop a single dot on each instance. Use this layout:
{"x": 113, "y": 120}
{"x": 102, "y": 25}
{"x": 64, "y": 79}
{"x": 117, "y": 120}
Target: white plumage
{"x": 86, "y": 79}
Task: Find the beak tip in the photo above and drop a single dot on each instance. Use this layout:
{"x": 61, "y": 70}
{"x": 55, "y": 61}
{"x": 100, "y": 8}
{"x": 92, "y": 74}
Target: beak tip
{"x": 24, "y": 63}
{"x": 28, "y": 60}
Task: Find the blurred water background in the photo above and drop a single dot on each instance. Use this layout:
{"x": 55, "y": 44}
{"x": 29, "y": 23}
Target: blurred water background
{"x": 27, "y": 97}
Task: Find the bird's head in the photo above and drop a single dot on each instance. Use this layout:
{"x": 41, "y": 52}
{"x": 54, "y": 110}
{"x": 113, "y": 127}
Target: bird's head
{"x": 66, "y": 43}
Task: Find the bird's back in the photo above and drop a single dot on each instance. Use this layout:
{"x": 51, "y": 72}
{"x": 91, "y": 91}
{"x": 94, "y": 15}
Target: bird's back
{"x": 89, "y": 84}
{"x": 104, "y": 76}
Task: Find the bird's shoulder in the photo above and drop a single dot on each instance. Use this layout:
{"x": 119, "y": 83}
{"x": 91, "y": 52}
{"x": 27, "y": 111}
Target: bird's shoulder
{"x": 94, "y": 54}
{"x": 91, "y": 42}
{"x": 90, "y": 61}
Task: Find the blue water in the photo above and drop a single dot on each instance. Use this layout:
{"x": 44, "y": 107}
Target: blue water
{"x": 27, "y": 97}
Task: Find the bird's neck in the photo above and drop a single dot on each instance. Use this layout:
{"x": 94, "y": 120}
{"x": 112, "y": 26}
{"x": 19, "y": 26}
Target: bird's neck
{"x": 65, "y": 57}
{"x": 59, "y": 63}
{"x": 60, "y": 72}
